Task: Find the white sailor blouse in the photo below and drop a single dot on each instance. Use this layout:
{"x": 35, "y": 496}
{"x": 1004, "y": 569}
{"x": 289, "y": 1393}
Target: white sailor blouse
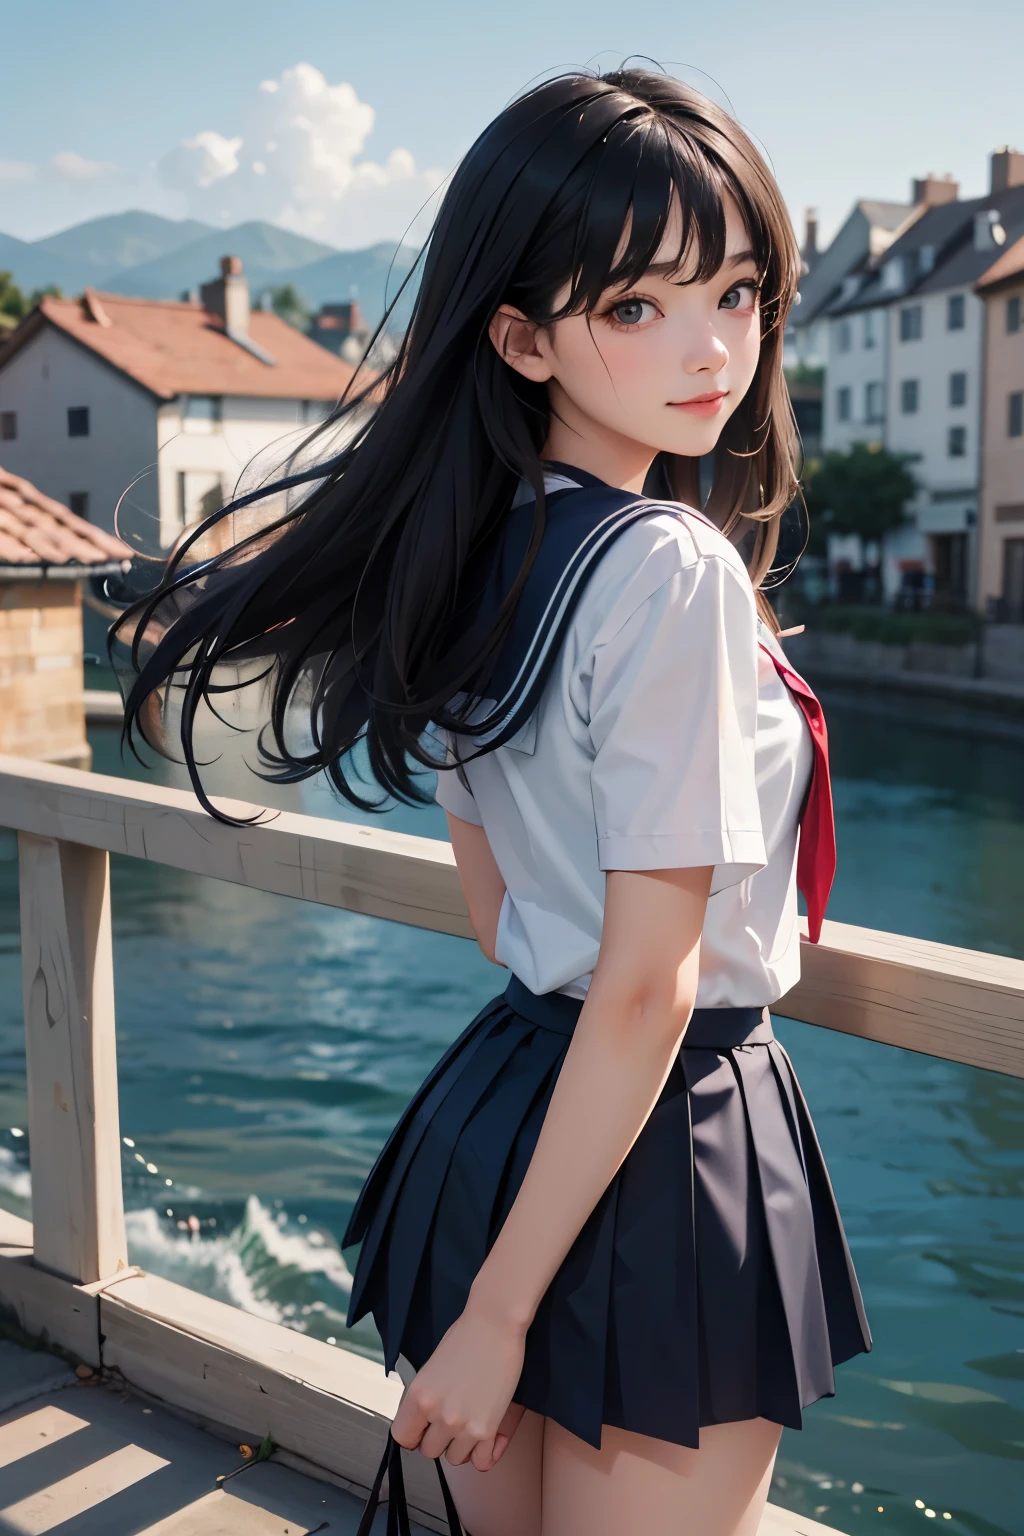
{"x": 669, "y": 732}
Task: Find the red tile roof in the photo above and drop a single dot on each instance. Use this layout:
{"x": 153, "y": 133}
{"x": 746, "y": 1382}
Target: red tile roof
{"x": 35, "y": 530}
{"x": 1009, "y": 264}
{"x": 180, "y": 349}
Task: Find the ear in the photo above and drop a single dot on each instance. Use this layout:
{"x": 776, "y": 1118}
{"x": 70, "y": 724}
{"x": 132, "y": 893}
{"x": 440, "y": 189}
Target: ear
{"x": 521, "y": 343}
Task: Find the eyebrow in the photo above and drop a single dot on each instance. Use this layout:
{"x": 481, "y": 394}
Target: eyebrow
{"x": 737, "y": 259}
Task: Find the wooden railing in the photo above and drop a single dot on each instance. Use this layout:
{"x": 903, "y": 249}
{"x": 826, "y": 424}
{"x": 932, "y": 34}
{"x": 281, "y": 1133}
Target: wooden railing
{"x": 69, "y": 1276}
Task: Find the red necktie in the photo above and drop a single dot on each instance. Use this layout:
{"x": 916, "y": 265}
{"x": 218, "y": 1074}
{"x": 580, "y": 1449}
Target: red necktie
{"x": 816, "y": 855}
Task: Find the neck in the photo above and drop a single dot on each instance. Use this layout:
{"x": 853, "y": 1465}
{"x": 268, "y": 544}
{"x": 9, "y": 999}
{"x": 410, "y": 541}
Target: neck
{"x": 585, "y": 444}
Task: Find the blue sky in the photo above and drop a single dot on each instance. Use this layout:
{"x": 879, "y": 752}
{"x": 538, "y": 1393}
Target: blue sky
{"x": 98, "y": 100}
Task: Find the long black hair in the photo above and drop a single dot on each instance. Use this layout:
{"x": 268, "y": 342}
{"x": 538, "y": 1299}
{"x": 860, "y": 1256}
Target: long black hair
{"x": 351, "y": 592}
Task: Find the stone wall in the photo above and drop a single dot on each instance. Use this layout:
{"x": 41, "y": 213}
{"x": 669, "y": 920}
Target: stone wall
{"x": 998, "y": 657}
{"x": 42, "y": 712}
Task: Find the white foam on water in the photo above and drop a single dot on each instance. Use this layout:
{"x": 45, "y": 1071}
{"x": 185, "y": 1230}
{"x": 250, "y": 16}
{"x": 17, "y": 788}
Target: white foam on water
{"x": 15, "y": 1179}
{"x": 240, "y": 1266}
{"x": 312, "y": 1253}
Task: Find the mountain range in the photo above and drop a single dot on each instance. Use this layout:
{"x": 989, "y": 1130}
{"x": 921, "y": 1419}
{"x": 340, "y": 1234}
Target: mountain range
{"x": 153, "y": 257}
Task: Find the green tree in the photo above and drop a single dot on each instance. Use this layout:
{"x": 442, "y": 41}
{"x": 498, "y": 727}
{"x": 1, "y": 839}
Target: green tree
{"x": 287, "y": 303}
{"x": 865, "y": 491}
{"x": 13, "y": 302}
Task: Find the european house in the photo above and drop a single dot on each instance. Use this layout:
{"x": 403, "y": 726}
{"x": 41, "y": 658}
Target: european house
{"x": 162, "y": 404}
{"x": 904, "y": 369}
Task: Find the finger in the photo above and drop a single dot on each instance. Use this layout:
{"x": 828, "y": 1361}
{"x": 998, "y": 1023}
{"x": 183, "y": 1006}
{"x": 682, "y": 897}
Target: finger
{"x": 460, "y": 1450}
{"x": 436, "y": 1440}
{"x": 410, "y": 1423}
{"x": 486, "y": 1454}
{"x": 511, "y": 1420}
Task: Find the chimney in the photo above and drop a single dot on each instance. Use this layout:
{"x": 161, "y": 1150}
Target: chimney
{"x": 228, "y": 298}
{"x": 932, "y": 190}
{"x": 810, "y": 250}
{"x": 1007, "y": 168}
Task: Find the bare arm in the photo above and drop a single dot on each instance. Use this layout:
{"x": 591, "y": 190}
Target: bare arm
{"x": 482, "y": 884}
{"x": 629, "y": 1031}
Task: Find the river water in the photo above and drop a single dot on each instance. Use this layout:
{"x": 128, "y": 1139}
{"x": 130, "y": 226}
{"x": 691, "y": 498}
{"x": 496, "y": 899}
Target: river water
{"x": 266, "y": 1046}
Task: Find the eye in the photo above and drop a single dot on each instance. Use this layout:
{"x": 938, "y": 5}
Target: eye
{"x": 633, "y": 312}
{"x": 742, "y": 297}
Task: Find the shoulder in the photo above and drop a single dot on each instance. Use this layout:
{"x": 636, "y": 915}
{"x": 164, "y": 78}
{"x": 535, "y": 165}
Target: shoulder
{"x": 665, "y": 555}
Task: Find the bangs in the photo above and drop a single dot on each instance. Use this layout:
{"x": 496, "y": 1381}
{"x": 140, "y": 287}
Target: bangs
{"x": 645, "y": 180}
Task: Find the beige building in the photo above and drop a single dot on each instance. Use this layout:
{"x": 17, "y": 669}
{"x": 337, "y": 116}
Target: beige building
{"x": 45, "y": 554}
{"x": 157, "y": 406}
{"x": 1001, "y": 541}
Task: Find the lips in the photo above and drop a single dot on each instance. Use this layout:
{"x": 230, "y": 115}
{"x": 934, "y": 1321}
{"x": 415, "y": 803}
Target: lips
{"x": 701, "y": 405}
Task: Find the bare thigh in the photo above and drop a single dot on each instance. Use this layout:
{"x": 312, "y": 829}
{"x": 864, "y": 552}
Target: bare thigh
{"x": 506, "y": 1501}
{"x": 636, "y": 1486}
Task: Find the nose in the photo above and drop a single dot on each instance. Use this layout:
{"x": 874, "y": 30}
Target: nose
{"x": 705, "y": 352}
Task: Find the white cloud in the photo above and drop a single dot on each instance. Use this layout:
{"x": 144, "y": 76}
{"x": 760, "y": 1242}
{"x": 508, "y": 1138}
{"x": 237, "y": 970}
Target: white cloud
{"x": 16, "y": 170}
{"x": 69, "y": 166}
{"x": 298, "y": 162}
{"x": 200, "y": 162}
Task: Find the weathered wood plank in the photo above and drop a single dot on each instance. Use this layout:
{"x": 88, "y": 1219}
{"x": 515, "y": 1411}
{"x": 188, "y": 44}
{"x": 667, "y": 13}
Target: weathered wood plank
{"x": 47, "y": 1306}
{"x": 364, "y": 869}
{"x": 954, "y": 1003}
{"x": 68, "y": 978}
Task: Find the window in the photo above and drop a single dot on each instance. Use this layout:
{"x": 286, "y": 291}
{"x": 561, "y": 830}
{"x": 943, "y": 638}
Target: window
{"x": 955, "y": 305}
{"x": 78, "y": 421}
{"x": 1015, "y": 414}
{"x": 1013, "y": 315}
{"x": 843, "y": 403}
{"x": 201, "y": 413}
{"x": 869, "y": 327}
{"x": 78, "y": 501}
{"x": 910, "y": 323}
{"x": 845, "y": 335}
{"x": 910, "y": 396}
{"x": 958, "y": 389}
{"x": 8, "y": 426}
{"x": 957, "y": 442}
{"x": 873, "y": 403}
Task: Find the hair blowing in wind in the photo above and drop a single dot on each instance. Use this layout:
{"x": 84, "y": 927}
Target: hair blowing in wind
{"x": 355, "y": 581}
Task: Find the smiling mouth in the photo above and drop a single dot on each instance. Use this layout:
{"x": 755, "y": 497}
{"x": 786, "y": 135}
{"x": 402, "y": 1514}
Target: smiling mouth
{"x": 701, "y": 405}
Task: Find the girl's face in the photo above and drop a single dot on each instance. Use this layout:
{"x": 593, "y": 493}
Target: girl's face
{"x": 659, "y": 366}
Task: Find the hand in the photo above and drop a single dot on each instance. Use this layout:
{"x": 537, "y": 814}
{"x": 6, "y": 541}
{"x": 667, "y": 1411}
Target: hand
{"x": 459, "y": 1405}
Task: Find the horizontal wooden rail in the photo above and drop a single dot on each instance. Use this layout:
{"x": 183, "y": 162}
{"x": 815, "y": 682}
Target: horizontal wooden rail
{"x": 958, "y": 1004}
{"x": 364, "y": 869}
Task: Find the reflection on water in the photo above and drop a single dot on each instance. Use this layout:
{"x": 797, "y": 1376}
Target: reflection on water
{"x": 267, "y": 1046}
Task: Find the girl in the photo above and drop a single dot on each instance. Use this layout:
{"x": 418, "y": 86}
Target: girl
{"x": 602, "y": 1239}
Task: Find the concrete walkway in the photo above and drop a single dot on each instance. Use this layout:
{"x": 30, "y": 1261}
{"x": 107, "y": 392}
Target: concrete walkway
{"x": 93, "y": 1459}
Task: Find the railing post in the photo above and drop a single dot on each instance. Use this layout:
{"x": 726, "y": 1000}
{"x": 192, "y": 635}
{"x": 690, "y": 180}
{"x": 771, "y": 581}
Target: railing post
{"x": 68, "y": 975}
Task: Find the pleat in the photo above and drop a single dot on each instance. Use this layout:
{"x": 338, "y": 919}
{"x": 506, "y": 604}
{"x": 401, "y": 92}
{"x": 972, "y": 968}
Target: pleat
{"x": 565, "y": 1359}
{"x": 790, "y": 1223}
{"x": 653, "y": 1305}
{"x": 411, "y": 1216}
{"x": 464, "y": 1214}
{"x": 405, "y": 1143}
{"x": 849, "y": 1332}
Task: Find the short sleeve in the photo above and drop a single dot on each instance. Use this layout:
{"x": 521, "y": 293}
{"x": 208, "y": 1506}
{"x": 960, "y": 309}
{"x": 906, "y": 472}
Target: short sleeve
{"x": 453, "y": 795}
{"x": 673, "y": 714}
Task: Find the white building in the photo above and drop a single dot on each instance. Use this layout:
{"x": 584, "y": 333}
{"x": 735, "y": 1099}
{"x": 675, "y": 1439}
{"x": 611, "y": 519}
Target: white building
{"x": 161, "y": 404}
{"x": 869, "y": 229}
{"x": 904, "y": 370}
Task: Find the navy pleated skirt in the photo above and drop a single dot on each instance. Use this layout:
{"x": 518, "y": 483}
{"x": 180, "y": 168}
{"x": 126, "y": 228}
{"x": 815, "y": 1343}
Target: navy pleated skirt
{"x": 712, "y": 1283}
